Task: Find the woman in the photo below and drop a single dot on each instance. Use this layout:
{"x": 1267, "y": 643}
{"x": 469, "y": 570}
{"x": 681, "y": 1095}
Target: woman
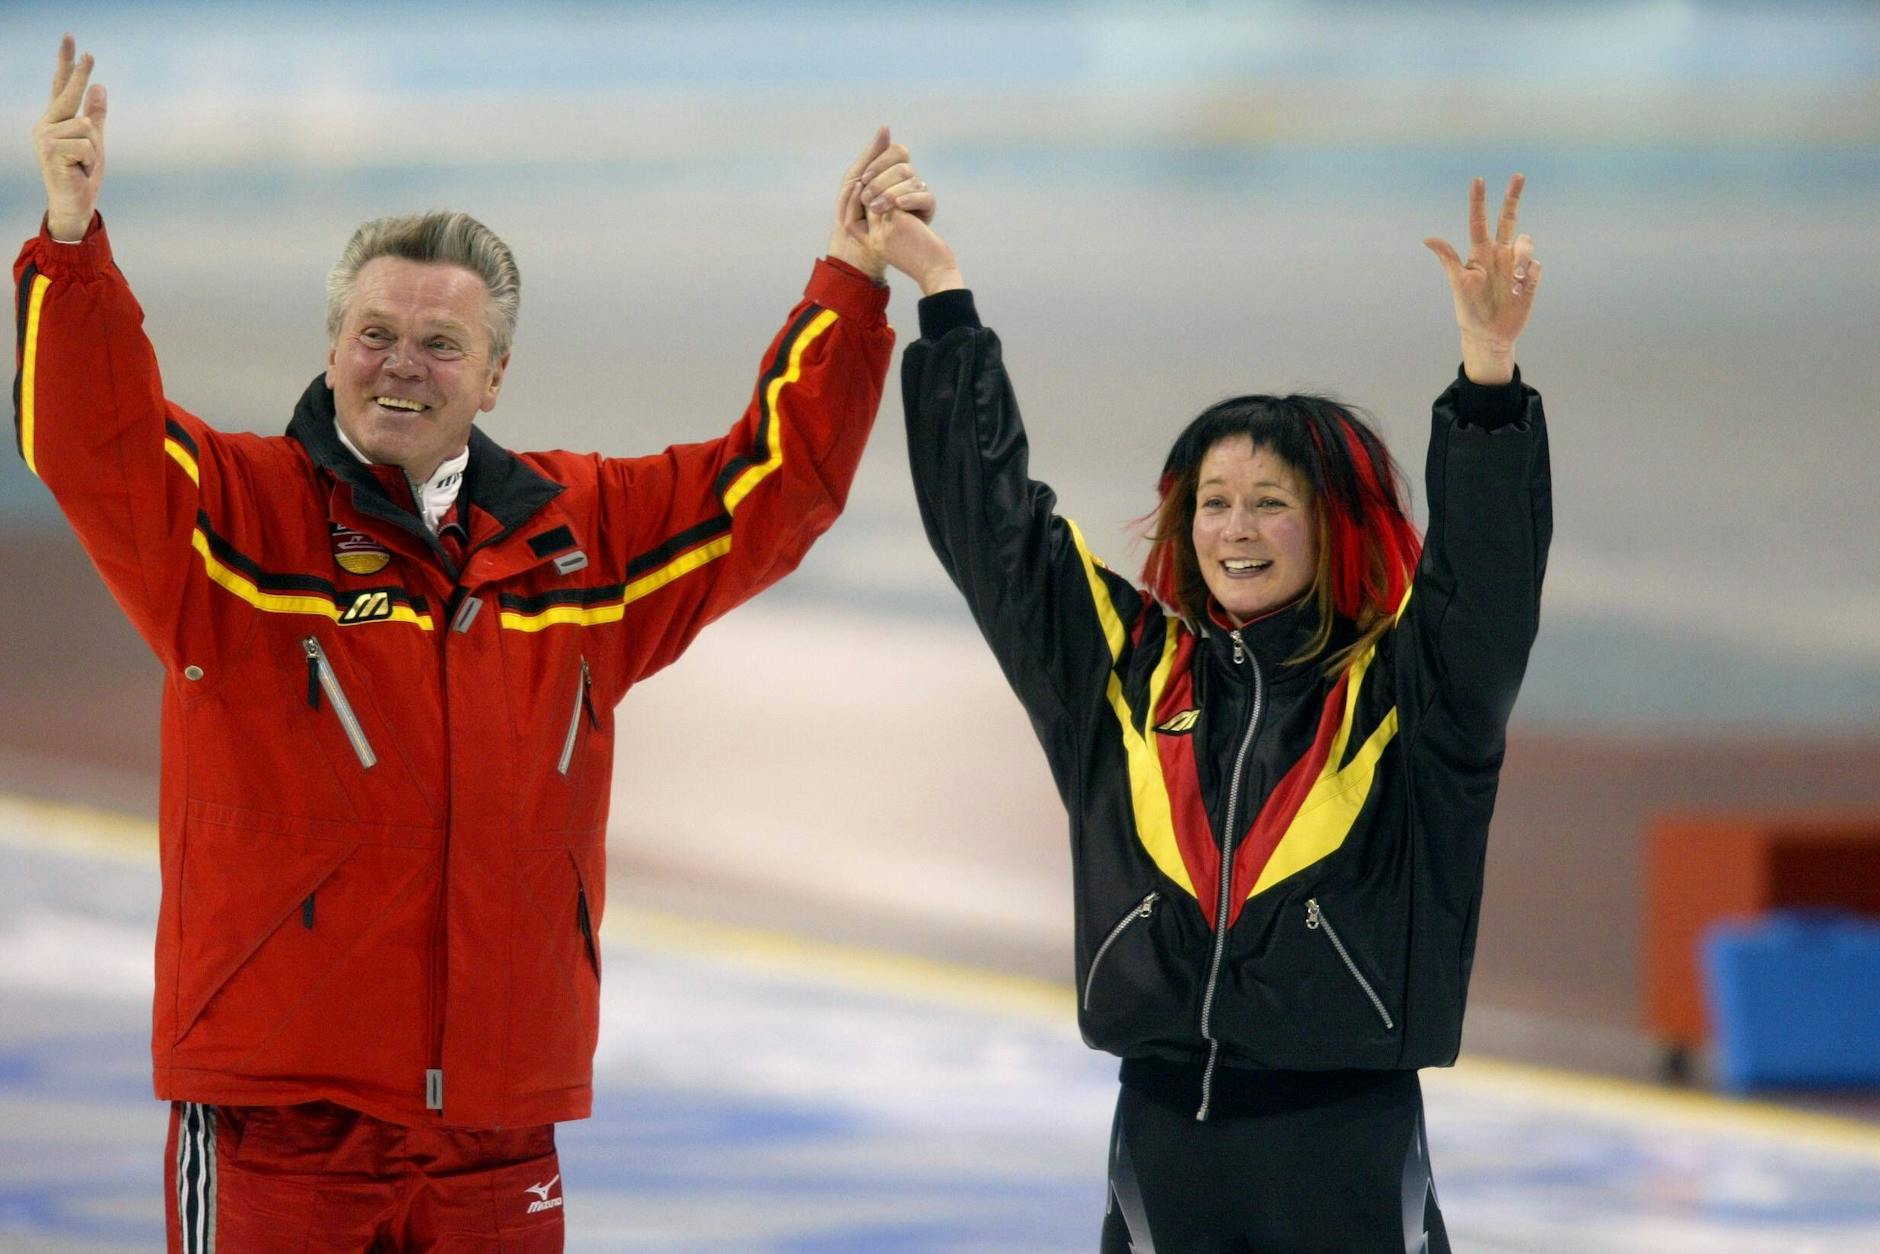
{"x": 1279, "y": 755}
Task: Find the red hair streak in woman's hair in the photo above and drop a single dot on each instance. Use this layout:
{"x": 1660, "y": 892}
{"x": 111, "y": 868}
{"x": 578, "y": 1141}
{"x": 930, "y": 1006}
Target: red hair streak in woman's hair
{"x": 1356, "y": 582}
{"x": 1159, "y": 575}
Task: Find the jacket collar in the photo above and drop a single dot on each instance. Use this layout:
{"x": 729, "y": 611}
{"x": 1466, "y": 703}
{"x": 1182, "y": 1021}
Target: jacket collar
{"x": 1273, "y": 640}
{"x": 496, "y": 480}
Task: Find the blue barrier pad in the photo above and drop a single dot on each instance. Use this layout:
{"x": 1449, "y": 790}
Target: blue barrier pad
{"x": 1795, "y": 1000}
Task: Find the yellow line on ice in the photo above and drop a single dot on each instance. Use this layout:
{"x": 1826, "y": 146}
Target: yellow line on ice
{"x": 872, "y": 970}
{"x": 28, "y": 821}
{"x": 1652, "y": 1106}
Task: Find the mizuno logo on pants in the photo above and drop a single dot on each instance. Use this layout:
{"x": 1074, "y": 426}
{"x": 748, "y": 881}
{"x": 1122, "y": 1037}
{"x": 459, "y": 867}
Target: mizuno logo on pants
{"x": 543, "y": 1200}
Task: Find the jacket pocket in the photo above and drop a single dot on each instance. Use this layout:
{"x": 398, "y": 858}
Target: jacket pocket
{"x": 583, "y": 711}
{"x": 240, "y": 892}
{"x": 246, "y": 987}
{"x": 1141, "y": 910}
{"x": 554, "y": 981}
{"x": 584, "y": 920}
{"x": 1318, "y": 921}
{"x": 322, "y": 680}
{"x": 1138, "y": 988}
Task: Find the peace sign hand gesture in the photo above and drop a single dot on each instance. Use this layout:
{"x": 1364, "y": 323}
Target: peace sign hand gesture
{"x": 1494, "y": 290}
{"x": 71, "y": 145}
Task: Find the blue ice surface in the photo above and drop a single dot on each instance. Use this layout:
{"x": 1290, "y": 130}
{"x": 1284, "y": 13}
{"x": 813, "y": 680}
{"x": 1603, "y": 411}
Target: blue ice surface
{"x": 803, "y": 1110}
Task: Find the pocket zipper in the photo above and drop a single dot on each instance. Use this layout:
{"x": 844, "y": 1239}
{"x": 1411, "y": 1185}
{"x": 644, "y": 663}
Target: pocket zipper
{"x": 320, "y": 678}
{"x": 1315, "y": 917}
{"x": 1141, "y": 910}
{"x": 585, "y": 922}
{"x": 582, "y": 704}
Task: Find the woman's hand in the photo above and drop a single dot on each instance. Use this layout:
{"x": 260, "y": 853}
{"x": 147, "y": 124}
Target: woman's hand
{"x": 1494, "y": 289}
{"x": 882, "y": 181}
{"x": 915, "y": 249}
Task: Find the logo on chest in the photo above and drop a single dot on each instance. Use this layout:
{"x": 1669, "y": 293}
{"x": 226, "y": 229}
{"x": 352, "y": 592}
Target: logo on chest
{"x": 1182, "y": 724}
{"x": 367, "y": 607}
{"x": 358, "y": 553}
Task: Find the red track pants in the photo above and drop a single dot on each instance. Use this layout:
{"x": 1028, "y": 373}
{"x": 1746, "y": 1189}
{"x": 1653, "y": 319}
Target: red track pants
{"x": 322, "y": 1179}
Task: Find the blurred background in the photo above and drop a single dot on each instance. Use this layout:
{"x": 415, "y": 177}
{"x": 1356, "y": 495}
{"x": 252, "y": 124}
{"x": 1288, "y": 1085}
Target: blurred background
{"x": 1157, "y": 205}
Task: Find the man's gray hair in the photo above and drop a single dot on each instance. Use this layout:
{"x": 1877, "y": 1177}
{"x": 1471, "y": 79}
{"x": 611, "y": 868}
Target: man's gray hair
{"x": 443, "y": 237}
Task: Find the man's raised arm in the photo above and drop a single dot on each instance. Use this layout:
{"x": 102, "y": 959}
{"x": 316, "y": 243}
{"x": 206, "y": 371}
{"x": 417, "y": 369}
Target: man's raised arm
{"x": 709, "y": 525}
{"x": 90, "y": 418}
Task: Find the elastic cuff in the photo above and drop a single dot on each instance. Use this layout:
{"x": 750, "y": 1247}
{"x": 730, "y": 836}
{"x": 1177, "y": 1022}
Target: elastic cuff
{"x": 947, "y": 311}
{"x": 87, "y": 259}
{"x": 1489, "y": 407}
{"x": 835, "y": 284}
{"x": 857, "y": 271}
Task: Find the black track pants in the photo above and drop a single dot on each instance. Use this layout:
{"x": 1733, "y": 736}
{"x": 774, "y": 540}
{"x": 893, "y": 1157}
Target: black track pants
{"x": 1346, "y": 1172}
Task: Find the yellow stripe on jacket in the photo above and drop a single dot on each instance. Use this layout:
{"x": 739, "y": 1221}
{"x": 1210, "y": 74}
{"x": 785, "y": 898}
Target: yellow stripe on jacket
{"x": 283, "y": 603}
{"x": 29, "y": 380}
{"x": 772, "y": 428}
{"x": 1148, "y": 790}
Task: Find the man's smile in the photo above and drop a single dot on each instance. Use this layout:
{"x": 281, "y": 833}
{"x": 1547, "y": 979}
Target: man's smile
{"x": 401, "y": 404}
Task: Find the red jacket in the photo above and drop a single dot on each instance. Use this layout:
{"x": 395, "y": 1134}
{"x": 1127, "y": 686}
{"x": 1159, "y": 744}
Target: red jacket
{"x": 384, "y": 793}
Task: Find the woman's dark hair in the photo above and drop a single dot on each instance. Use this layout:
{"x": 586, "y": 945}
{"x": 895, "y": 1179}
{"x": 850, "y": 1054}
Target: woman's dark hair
{"x": 1368, "y": 547}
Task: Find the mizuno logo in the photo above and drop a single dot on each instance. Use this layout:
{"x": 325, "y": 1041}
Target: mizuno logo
{"x": 1181, "y": 724}
{"x": 543, "y": 1200}
{"x": 367, "y": 607}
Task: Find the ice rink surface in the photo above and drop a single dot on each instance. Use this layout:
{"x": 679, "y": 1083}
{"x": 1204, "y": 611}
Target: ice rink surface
{"x": 757, "y": 1093}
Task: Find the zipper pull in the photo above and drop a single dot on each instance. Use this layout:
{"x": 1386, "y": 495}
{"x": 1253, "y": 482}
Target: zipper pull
{"x": 466, "y": 614}
{"x": 1240, "y": 649}
{"x": 312, "y": 650}
{"x": 587, "y": 698}
{"x": 1147, "y": 907}
{"x": 1312, "y": 914}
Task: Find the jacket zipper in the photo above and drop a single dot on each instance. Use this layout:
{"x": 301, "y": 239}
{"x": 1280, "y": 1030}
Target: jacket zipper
{"x": 582, "y": 704}
{"x": 1227, "y": 874}
{"x": 320, "y": 678}
{"x": 1141, "y": 910}
{"x": 1315, "y": 918}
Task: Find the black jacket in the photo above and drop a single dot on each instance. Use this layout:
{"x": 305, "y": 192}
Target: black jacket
{"x": 1361, "y": 816}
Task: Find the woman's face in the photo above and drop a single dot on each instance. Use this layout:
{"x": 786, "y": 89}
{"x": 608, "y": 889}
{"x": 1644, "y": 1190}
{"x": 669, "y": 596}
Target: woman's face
{"x": 1254, "y": 533}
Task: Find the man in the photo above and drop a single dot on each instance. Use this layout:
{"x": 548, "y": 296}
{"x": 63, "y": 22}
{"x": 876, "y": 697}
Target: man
{"x": 392, "y": 653}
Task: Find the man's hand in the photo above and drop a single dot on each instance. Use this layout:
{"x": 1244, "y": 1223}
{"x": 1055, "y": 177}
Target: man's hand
{"x": 1494, "y": 291}
{"x": 71, "y": 145}
{"x": 882, "y": 180}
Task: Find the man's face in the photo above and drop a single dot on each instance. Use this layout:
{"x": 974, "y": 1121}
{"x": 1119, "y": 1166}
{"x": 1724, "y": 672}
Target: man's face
{"x": 411, "y": 368}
